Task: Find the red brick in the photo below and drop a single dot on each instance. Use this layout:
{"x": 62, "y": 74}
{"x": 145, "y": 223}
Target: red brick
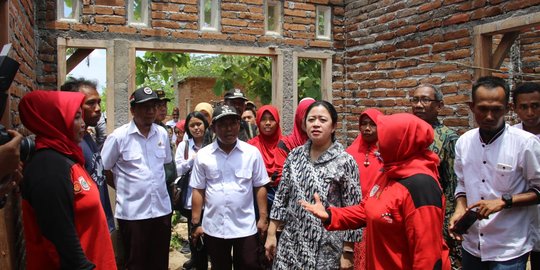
{"x": 385, "y": 102}
{"x": 255, "y": 9}
{"x": 441, "y": 68}
{"x": 255, "y": 2}
{"x": 58, "y": 25}
{"x": 191, "y": 9}
{"x": 417, "y": 51}
{"x": 430, "y": 6}
{"x": 457, "y": 34}
{"x": 458, "y": 54}
{"x": 106, "y": 19}
{"x": 419, "y": 71}
{"x": 226, "y": 21}
{"x": 240, "y": 37}
{"x": 251, "y": 16}
{"x": 406, "y": 83}
{"x": 396, "y": 74}
{"x": 184, "y": 17}
{"x": 153, "y": 32}
{"x": 166, "y": 7}
{"x": 406, "y": 30}
{"x": 159, "y": 15}
{"x": 296, "y": 13}
{"x": 302, "y": 6}
{"x": 213, "y": 35}
{"x": 165, "y": 24}
{"x": 295, "y": 27}
{"x": 406, "y": 63}
{"x": 122, "y": 29}
{"x": 446, "y": 46}
{"x": 457, "y": 99}
{"x": 453, "y": 122}
{"x": 429, "y": 25}
{"x": 377, "y": 93}
{"x": 110, "y": 2}
{"x": 190, "y": 2}
{"x": 432, "y": 80}
{"x": 385, "y": 84}
{"x": 457, "y": 19}
{"x": 385, "y": 36}
{"x": 386, "y": 65}
{"x": 234, "y": 7}
{"x": 456, "y": 77}
{"x": 321, "y": 43}
{"x": 185, "y": 34}
{"x": 296, "y": 42}
{"x": 377, "y": 57}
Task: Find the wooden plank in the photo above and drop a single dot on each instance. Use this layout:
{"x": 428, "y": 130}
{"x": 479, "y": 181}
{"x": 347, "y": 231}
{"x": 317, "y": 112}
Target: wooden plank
{"x": 202, "y": 48}
{"x": 482, "y": 55}
{"x": 61, "y": 64}
{"x": 512, "y": 24}
{"x": 76, "y": 58}
{"x": 502, "y": 50}
{"x": 326, "y": 79}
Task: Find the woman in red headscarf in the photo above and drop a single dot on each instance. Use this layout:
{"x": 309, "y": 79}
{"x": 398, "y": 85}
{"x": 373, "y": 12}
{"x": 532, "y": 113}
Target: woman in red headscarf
{"x": 269, "y": 135}
{"x": 297, "y": 138}
{"x": 64, "y": 224}
{"x": 365, "y": 151}
{"x": 404, "y": 210}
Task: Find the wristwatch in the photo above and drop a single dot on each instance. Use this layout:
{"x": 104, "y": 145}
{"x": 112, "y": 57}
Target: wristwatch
{"x": 507, "y": 198}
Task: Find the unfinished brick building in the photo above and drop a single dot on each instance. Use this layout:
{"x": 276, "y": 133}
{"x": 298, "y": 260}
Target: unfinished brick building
{"x": 373, "y": 52}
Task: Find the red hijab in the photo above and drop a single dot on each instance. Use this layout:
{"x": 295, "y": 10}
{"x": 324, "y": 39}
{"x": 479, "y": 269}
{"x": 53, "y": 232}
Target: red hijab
{"x": 298, "y": 136}
{"x": 50, "y": 115}
{"x": 267, "y": 144}
{"x": 403, "y": 143}
{"x": 359, "y": 148}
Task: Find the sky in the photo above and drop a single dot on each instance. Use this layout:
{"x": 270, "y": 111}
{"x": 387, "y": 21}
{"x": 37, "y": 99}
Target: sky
{"x": 97, "y": 70}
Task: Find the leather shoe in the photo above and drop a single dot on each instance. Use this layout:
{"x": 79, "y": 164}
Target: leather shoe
{"x": 188, "y": 264}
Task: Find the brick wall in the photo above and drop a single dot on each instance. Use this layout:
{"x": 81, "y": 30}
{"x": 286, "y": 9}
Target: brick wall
{"x": 196, "y": 90}
{"x": 20, "y": 33}
{"x": 242, "y": 23}
{"x": 393, "y": 46}
{"x": 24, "y": 50}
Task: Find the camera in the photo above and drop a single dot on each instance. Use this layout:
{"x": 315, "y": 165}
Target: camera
{"x": 8, "y": 69}
{"x": 26, "y": 148}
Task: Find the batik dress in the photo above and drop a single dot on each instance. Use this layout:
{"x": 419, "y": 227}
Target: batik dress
{"x": 304, "y": 243}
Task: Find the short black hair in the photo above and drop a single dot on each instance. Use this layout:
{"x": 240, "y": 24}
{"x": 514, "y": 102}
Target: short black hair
{"x": 329, "y": 107}
{"x": 74, "y": 84}
{"x": 525, "y": 88}
{"x": 491, "y": 82}
{"x": 197, "y": 115}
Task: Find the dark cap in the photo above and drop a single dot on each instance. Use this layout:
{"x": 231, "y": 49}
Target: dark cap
{"x": 234, "y": 94}
{"x": 222, "y": 111}
{"x": 142, "y": 94}
{"x": 161, "y": 95}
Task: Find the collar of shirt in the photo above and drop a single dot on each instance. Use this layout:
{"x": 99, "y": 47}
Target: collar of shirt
{"x": 238, "y": 145}
{"x": 134, "y": 129}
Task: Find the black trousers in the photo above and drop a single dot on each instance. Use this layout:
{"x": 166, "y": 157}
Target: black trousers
{"x": 146, "y": 242}
{"x": 244, "y": 252}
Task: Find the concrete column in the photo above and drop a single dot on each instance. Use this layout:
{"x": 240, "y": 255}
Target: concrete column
{"x": 119, "y": 95}
{"x": 290, "y": 99}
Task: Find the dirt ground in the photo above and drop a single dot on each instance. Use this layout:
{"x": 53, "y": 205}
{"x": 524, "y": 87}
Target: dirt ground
{"x": 177, "y": 259}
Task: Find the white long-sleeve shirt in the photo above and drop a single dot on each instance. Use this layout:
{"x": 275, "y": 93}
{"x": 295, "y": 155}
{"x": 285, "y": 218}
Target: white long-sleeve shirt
{"x": 510, "y": 164}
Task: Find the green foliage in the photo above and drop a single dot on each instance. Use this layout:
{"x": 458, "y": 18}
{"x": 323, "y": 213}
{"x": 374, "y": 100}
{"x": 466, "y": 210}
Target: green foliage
{"x": 309, "y": 78}
{"x": 156, "y": 70}
{"x": 252, "y": 73}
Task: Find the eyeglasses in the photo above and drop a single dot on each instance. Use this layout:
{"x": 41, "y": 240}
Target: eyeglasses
{"x": 423, "y": 100}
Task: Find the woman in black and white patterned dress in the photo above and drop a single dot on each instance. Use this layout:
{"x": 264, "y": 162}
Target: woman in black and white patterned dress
{"x": 320, "y": 166}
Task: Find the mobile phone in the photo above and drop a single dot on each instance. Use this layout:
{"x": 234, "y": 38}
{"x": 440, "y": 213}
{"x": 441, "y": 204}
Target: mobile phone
{"x": 465, "y": 222}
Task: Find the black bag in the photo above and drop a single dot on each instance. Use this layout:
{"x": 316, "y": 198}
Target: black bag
{"x": 181, "y": 186}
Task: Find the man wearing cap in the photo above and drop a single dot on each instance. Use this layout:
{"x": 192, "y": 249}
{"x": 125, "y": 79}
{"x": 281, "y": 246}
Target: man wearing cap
{"x": 235, "y": 98}
{"x": 227, "y": 175}
{"x": 136, "y": 153}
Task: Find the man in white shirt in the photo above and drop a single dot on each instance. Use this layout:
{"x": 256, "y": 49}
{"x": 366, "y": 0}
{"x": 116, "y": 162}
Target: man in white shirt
{"x": 526, "y": 99}
{"x": 498, "y": 171}
{"x": 135, "y": 153}
{"x": 226, "y": 177}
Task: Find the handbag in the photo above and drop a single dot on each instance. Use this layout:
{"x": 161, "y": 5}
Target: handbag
{"x": 181, "y": 186}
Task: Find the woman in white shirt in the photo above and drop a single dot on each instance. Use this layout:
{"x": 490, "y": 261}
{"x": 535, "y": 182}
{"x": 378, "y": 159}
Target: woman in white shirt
{"x": 195, "y": 128}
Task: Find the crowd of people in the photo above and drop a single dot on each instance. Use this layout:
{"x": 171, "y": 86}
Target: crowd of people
{"x": 408, "y": 193}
